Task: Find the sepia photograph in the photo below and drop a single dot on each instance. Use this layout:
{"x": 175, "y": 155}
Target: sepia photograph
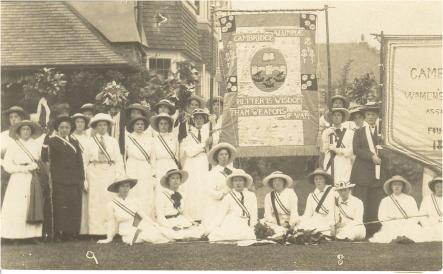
{"x": 221, "y": 135}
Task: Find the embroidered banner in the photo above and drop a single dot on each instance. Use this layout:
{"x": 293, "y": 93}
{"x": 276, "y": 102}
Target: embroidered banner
{"x": 269, "y": 68}
{"x": 413, "y": 95}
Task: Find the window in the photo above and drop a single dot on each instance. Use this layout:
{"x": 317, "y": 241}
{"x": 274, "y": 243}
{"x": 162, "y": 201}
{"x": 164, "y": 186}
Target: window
{"x": 197, "y": 7}
{"x": 160, "y": 65}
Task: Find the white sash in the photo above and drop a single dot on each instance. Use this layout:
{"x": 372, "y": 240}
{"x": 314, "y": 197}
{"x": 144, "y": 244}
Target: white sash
{"x": 372, "y": 149}
{"x": 66, "y": 143}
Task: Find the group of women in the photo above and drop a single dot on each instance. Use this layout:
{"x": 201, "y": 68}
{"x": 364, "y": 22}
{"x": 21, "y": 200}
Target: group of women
{"x": 175, "y": 181}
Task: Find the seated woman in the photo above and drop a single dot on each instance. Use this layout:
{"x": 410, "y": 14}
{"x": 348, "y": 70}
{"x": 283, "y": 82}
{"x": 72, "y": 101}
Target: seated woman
{"x": 169, "y": 207}
{"x": 431, "y": 206}
{"x": 348, "y": 214}
{"x": 319, "y": 211}
{"x": 281, "y": 210}
{"x": 398, "y": 212}
{"x": 126, "y": 218}
{"x": 237, "y": 214}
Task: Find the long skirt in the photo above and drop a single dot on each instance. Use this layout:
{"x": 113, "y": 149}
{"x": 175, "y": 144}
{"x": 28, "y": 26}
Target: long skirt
{"x": 15, "y": 209}
{"x": 143, "y": 191}
{"x": 318, "y": 222}
{"x": 99, "y": 177}
{"x": 393, "y": 229}
{"x": 194, "y": 189}
{"x": 351, "y": 231}
{"x": 143, "y": 233}
{"x": 84, "y": 221}
{"x": 233, "y": 228}
{"x": 67, "y": 207}
{"x": 163, "y": 166}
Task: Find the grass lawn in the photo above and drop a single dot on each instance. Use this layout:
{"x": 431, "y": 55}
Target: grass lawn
{"x": 204, "y": 256}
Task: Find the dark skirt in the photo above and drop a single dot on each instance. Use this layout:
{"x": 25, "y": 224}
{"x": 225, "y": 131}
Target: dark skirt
{"x": 67, "y": 208}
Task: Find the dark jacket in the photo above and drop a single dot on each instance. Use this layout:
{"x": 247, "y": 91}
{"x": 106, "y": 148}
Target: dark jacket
{"x": 363, "y": 169}
{"x": 66, "y": 165}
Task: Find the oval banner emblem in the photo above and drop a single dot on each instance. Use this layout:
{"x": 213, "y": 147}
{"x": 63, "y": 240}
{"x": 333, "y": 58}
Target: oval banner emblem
{"x": 268, "y": 69}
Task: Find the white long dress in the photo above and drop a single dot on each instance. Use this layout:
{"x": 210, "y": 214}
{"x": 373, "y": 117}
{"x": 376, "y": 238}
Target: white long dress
{"x": 162, "y": 159}
{"x": 120, "y": 221}
{"x": 169, "y": 217}
{"x": 5, "y": 140}
{"x": 322, "y": 219}
{"x": 100, "y": 174}
{"x": 216, "y": 190}
{"x": 432, "y": 225}
{"x": 343, "y": 158}
{"x": 217, "y": 130}
{"x": 197, "y": 165}
{"x": 350, "y": 215}
{"x": 138, "y": 167}
{"x": 17, "y": 196}
{"x": 232, "y": 223}
{"x": 390, "y": 230}
{"x": 286, "y": 204}
{"x": 83, "y": 140}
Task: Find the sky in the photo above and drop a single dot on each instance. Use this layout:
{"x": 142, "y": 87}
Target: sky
{"x": 348, "y": 20}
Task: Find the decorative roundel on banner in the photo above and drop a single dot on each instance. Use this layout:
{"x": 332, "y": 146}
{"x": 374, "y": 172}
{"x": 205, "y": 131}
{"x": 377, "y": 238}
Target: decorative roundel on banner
{"x": 268, "y": 69}
{"x": 307, "y": 21}
{"x": 231, "y": 85}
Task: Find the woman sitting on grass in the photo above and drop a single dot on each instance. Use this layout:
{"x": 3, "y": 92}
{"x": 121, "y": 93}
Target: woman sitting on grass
{"x": 398, "y": 213}
{"x": 237, "y": 214}
{"x": 126, "y": 219}
{"x": 431, "y": 206}
{"x": 169, "y": 208}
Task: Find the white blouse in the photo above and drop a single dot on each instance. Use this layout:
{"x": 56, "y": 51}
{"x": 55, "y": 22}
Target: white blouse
{"x": 289, "y": 200}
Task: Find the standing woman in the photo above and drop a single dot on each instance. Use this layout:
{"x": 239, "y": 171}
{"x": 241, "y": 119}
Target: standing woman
{"x": 237, "y": 216}
{"x": 68, "y": 177}
{"x": 80, "y": 134}
{"x": 164, "y": 146}
{"x": 221, "y": 158}
{"x": 195, "y": 147}
{"x": 104, "y": 165}
{"x": 216, "y": 105}
{"x": 139, "y": 164}
{"x": 20, "y": 161}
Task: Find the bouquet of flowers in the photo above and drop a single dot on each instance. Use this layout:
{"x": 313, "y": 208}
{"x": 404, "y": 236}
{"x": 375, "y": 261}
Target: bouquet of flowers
{"x": 304, "y": 237}
{"x": 263, "y": 231}
{"x": 113, "y": 95}
{"x": 46, "y": 83}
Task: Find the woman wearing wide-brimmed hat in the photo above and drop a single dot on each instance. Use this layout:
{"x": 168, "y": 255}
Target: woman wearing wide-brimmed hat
{"x": 165, "y": 148}
{"x": 126, "y": 217}
{"x": 195, "y": 147}
{"x": 319, "y": 210}
{"x": 169, "y": 204}
{"x": 20, "y": 161}
{"x": 221, "y": 158}
{"x": 398, "y": 213}
{"x": 104, "y": 165}
{"x": 281, "y": 204}
{"x": 164, "y": 106}
{"x": 81, "y": 129}
{"x": 139, "y": 163}
{"x": 431, "y": 206}
{"x": 184, "y": 120}
{"x": 337, "y": 146}
{"x": 348, "y": 214}
{"x": 237, "y": 216}
{"x": 67, "y": 176}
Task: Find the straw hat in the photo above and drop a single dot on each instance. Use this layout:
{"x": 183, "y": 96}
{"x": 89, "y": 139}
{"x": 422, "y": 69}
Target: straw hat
{"x": 63, "y": 118}
{"x": 212, "y": 156}
{"x": 239, "y": 173}
{"x": 87, "y": 106}
{"x": 136, "y": 106}
{"x": 166, "y": 103}
{"x": 101, "y": 117}
{"x": 115, "y": 185}
{"x": 164, "y": 180}
{"x": 198, "y": 98}
{"x": 397, "y": 178}
{"x": 432, "y": 183}
{"x": 321, "y": 172}
{"x": 371, "y": 106}
{"x": 37, "y": 131}
{"x": 343, "y": 185}
{"x": 341, "y": 97}
{"x": 80, "y": 116}
{"x": 156, "y": 119}
{"x": 343, "y": 111}
{"x": 277, "y": 174}
{"x": 200, "y": 111}
{"x": 130, "y": 126}
{"x": 15, "y": 109}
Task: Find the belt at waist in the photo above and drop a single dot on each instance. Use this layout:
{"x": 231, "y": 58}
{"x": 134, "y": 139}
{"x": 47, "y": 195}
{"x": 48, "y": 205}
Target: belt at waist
{"x": 101, "y": 162}
{"x": 172, "y": 216}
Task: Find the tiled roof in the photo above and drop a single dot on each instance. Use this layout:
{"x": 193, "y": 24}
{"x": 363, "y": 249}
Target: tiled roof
{"x": 204, "y": 39}
{"x": 51, "y": 34}
{"x": 178, "y": 32}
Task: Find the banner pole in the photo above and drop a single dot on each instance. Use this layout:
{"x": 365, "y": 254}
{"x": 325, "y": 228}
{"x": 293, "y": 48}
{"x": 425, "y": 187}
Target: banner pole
{"x": 211, "y": 87}
{"x": 328, "y": 57}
